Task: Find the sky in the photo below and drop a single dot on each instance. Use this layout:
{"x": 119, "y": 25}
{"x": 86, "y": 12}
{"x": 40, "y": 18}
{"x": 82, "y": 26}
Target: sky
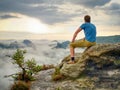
{"x": 56, "y": 19}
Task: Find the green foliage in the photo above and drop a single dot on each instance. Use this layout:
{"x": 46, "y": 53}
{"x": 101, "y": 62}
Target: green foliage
{"x": 29, "y": 67}
{"x": 32, "y": 67}
{"x": 57, "y": 75}
{"x": 57, "y": 71}
{"x": 31, "y": 63}
{"x": 18, "y": 57}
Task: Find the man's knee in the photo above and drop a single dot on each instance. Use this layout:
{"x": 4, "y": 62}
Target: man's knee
{"x": 72, "y": 45}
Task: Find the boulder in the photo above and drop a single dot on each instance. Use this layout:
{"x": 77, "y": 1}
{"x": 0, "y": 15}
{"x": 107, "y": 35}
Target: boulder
{"x": 96, "y": 57}
{"x": 97, "y": 68}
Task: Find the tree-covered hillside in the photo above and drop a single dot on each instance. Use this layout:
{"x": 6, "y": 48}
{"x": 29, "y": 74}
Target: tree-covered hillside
{"x": 108, "y": 39}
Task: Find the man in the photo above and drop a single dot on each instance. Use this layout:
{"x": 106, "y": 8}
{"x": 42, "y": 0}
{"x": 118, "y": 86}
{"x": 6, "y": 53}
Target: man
{"x": 89, "y": 40}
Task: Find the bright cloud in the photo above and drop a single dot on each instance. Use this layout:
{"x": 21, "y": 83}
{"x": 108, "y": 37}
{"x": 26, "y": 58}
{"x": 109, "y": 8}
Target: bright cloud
{"x": 58, "y": 16}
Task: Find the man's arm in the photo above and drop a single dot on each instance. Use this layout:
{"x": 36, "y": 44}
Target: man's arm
{"x": 75, "y": 34}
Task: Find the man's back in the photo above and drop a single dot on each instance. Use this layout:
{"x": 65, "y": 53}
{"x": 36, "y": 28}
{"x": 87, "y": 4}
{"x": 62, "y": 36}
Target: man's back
{"x": 89, "y": 31}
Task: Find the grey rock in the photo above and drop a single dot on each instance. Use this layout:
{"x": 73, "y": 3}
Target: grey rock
{"x": 97, "y": 68}
{"x": 101, "y": 55}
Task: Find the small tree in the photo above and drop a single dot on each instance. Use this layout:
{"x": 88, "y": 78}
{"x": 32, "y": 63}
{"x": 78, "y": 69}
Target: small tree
{"x": 29, "y": 67}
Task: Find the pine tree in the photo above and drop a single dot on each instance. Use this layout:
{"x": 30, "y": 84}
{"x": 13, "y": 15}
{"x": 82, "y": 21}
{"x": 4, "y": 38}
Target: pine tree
{"x": 28, "y": 67}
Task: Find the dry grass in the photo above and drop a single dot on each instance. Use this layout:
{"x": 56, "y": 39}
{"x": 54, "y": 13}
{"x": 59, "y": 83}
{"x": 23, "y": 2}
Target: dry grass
{"x": 20, "y": 85}
{"x": 57, "y": 75}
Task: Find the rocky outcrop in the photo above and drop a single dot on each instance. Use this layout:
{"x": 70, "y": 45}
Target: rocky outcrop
{"x": 97, "y": 68}
{"x": 97, "y": 57}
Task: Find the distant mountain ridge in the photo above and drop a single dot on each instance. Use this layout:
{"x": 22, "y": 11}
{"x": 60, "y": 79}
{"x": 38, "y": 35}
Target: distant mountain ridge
{"x": 100, "y": 39}
{"x": 108, "y": 39}
{"x": 56, "y": 43}
{"x": 63, "y": 45}
{"x": 15, "y": 44}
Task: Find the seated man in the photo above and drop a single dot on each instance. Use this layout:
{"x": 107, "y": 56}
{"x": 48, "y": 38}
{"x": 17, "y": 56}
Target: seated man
{"x": 89, "y": 40}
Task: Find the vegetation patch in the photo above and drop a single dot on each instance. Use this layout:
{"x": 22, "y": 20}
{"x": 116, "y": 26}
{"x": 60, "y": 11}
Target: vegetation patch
{"x": 28, "y": 68}
{"x": 57, "y": 75}
{"x": 20, "y": 85}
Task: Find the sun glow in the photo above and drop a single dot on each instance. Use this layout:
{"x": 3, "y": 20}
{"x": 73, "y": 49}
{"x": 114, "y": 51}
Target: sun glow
{"x": 35, "y": 26}
{"x": 24, "y": 24}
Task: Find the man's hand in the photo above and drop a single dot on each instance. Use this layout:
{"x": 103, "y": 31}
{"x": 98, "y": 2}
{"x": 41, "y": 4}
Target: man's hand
{"x": 75, "y": 34}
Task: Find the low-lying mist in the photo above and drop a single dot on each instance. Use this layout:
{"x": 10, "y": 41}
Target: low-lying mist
{"x": 43, "y": 51}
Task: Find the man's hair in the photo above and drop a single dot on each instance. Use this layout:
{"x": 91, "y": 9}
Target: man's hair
{"x": 87, "y": 18}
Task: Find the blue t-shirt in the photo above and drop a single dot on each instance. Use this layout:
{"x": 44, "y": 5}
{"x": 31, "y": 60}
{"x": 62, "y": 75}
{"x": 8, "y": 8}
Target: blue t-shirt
{"x": 89, "y": 31}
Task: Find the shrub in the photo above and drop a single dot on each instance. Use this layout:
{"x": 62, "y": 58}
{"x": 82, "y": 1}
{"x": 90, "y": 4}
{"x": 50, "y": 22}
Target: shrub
{"x": 28, "y": 67}
{"x": 20, "y": 86}
{"x": 57, "y": 75}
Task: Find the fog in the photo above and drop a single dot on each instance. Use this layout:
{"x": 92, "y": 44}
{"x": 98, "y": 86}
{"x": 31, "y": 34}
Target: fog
{"x": 43, "y": 51}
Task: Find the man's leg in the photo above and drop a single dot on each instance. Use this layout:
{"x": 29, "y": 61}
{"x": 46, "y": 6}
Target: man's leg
{"x": 78, "y": 43}
{"x": 72, "y": 53}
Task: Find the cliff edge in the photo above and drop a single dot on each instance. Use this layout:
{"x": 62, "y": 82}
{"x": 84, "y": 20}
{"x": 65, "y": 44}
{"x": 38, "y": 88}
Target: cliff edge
{"x": 97, "y": 68}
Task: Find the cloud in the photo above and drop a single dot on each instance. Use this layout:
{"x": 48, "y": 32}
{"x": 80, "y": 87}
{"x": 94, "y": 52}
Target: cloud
{"x": 48, "y": 11}
{"x": 43, "y": 54}
{"x": 45, "y": 11}
{"x": 113, "y": 9}
{"x": 90, "y": 3}
{"x": 7, "y": 16}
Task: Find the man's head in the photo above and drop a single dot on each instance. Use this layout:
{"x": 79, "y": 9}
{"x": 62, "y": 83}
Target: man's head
{"x": 87, "y": 18}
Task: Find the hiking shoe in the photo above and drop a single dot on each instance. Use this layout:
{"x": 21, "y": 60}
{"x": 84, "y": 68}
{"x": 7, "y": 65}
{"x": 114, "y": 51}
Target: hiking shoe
{"x": 71, "y": 62}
